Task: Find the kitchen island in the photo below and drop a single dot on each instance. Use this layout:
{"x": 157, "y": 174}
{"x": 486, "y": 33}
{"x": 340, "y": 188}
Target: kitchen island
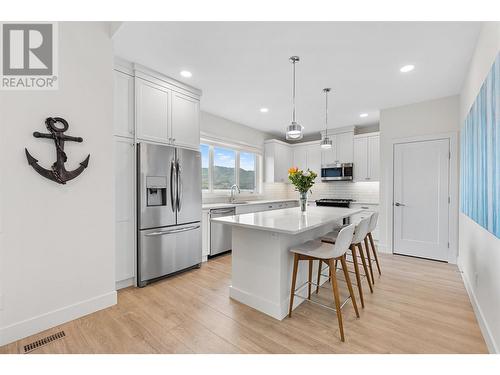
{"x": 261, "y": 260}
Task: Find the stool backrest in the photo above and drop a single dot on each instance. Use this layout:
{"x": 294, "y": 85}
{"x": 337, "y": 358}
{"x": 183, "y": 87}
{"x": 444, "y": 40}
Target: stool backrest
{"x": 343, "y": 241}
{"x": 361, "y": 230}
{"x": 373, "y": 222}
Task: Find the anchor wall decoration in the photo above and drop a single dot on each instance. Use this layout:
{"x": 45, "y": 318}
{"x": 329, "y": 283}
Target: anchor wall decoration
{"x": 58, "y": 172}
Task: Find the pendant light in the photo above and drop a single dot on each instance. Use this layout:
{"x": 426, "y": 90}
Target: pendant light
{"x": 326, "y": 142}
{"x": 294, "y": 130}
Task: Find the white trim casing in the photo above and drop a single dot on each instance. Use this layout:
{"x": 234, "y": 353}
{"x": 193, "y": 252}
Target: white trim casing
{"x": 453, "y": 191}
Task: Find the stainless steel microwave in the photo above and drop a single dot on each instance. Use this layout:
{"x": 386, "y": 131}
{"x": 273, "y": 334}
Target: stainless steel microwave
{"x": 336, "y": 172}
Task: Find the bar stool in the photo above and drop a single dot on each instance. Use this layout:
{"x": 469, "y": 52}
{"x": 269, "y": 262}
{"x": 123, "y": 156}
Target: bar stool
{"x": 360, "y": 233}
{"x": 328, "y": 253}
{"x": 371, "y": 228}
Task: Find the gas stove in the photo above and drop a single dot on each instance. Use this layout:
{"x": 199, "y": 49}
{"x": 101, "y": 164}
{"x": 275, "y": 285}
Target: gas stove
{"x": 334, "y": 202}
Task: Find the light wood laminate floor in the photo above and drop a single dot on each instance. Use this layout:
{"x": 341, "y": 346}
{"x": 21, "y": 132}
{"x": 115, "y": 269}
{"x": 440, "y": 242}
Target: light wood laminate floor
{"x": 418, "y": 306}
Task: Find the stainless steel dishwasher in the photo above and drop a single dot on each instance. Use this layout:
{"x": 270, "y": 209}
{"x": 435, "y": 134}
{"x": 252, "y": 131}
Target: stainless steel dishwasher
{"x": 220, "y": 234}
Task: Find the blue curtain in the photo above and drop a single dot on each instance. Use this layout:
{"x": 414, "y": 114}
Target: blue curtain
{"x": 480, "y": 155}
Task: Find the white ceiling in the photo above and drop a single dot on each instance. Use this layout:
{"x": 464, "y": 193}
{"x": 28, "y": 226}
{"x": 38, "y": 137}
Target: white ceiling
{"x": 243, "y": 66}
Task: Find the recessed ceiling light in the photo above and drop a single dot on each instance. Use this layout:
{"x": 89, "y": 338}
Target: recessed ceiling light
{"x": 407, "y": 68}
{"x": 186, "y": 74}
{"x": 264, "y": 110}
{"x": 363, "y": 115}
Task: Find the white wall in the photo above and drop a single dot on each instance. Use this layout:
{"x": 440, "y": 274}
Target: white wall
{"x": 419, "y": 119}
{"x": 57, "y": 256}
{"x": 479, "y": 250}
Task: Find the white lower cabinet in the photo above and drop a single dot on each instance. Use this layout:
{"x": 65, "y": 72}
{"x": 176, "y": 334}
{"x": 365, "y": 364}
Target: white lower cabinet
{"x": 124, "y": 159}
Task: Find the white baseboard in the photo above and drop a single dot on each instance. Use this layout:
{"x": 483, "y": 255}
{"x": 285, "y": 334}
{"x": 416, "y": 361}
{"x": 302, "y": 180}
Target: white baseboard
{"x": 53, "y": 318}
{"x": 483, "y": 324}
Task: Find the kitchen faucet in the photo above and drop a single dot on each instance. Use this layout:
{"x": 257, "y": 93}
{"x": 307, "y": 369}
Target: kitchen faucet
{"x": 233, "y": 189}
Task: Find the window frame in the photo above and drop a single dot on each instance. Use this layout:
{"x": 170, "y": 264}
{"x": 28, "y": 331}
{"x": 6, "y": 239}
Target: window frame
{"x": 237, "y": 149}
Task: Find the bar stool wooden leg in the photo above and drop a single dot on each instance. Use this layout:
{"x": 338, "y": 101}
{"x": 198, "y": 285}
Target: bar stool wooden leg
{"x": 310, "y": 279}
{"x": 349, "y": 285}
{"x": 336, "y": 298}
{"x": 358, "y": 277}
{"x": 363, "y": 260}
{"x": 369, "y": 259}
{"x": 319, "y": 275}
{"x": 374, "y": 252}
{"x": 294, "y": 279}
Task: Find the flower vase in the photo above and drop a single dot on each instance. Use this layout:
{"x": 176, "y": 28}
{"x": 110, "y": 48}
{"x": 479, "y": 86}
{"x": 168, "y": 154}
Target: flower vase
{"x": 303, "y": 202}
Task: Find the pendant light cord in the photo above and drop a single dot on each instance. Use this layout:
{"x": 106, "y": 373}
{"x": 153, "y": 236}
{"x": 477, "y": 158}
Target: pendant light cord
{"x": 293, "y": 90}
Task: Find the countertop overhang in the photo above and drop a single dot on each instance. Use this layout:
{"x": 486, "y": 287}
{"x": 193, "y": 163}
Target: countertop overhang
{"x": 289, "y": 220}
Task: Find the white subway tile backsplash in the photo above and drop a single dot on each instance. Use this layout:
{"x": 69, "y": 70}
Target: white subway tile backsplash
{"x": 366, "y": 192}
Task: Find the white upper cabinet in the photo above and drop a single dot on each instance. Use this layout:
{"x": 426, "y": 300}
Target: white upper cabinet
{"x": 374, "y": 158}
{"x": 123, "y": 106}
{"x": 342, "y": 150}
{"x": 167, "y": 110}
{"x": 314, "y": 159}
{"x": 277, "y": 159}
{"x": 308, "y": 156}
{"x": 153, "y": 111}
{"x": 360, "y": 167}
{"x": 300, "y": 157}
{"x": 344, "y": 142}
{"x": 330, "y": 156}
{"x": 185, "y": 128}
{"x": 366, "y": 158}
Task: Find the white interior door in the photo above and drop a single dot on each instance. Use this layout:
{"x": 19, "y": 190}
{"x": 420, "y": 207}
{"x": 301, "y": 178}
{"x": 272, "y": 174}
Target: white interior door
{"x": 421, "y": 192}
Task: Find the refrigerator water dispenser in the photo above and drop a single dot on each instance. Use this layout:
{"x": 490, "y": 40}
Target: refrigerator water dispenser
{"x": 156, "y": 191}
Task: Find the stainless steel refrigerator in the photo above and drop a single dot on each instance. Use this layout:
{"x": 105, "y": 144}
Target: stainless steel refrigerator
{"x": 169, "y": 211}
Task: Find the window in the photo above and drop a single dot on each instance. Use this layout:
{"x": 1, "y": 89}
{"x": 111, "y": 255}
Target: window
{"x": 222, "y": 166}
{"x": 247, "y": 171}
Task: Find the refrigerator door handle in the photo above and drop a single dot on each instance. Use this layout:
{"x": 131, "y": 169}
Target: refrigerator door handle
{"x": 179, "y": 186}
{"x": 172, "y": 231}
{"x": 173, "y": 175}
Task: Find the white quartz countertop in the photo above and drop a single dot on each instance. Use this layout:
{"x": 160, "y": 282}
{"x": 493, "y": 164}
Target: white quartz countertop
{"x": 210, "y": 206}
{"x": 289, "y": 220}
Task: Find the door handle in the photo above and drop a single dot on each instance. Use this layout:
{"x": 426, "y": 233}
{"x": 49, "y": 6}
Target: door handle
{"x": 172, "y": 231}
{"x": 397, "y": 204}
{"x": 172, "y": 176}
{"x": 179, "y": 186}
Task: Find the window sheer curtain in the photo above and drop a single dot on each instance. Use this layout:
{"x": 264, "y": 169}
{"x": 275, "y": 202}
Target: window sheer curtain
{"x": 480, "y": 155}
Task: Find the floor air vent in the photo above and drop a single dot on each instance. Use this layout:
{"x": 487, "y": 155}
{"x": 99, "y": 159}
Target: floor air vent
{"x": 42, "y": 342}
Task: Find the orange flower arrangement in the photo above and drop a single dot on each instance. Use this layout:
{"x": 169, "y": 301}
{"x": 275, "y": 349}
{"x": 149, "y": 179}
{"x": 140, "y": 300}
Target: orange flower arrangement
{"x": 303, "y": 181}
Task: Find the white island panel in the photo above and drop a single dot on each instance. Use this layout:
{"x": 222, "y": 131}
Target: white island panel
{"x": 261, "y": 258}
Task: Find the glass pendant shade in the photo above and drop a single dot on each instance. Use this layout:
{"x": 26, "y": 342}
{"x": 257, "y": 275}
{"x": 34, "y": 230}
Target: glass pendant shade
{"x": 326, "y": 143}
{"x": 294, "y": 131}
